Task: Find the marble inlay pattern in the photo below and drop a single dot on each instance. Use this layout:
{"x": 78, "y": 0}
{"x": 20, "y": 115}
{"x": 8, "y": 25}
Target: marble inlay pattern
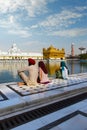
{"x": 77, "y": 118}
{"x": 20, "y": 99}
{"x": 2, "y": 97}
{"x": 55, "y": 84}
{"x": 73, "y": 117}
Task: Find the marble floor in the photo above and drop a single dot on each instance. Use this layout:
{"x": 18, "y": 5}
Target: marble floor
{"x": 73, "y": 117}
{"x": 15, "y": 100}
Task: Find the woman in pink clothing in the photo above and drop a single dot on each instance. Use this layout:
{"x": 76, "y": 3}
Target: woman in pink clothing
{"x": 43, "y": 73}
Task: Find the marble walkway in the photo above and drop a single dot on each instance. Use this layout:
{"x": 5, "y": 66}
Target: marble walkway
{"x": 15, "y": 100}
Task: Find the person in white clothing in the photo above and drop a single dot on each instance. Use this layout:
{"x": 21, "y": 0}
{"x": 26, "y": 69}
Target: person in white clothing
{"x": 64, "y": 69}
{"x": 31, "y": 78}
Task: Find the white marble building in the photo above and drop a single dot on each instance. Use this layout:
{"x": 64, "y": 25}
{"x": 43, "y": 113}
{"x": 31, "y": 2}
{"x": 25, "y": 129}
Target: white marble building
{"x": 15, "y": 53}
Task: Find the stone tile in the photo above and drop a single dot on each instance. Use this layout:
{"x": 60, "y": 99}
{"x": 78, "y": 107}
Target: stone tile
{"x": 33, "y": 125}
{"x": 78, "y": 122}
{"x": 57, "y": 86}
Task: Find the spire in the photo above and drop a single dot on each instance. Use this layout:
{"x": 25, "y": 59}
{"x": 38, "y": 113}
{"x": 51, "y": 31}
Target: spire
{"x": 72, "y": 49}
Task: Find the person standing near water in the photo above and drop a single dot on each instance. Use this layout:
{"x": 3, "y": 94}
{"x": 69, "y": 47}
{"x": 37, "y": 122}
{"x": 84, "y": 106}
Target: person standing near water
{"x": 31, "y": 78}
{"x": 64, "y": 69}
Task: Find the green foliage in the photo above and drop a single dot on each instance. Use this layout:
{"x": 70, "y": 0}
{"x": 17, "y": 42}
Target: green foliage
{"x": 83, "y": 56}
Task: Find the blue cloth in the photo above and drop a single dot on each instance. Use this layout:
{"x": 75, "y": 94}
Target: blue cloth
{"x": 64, "y": 69}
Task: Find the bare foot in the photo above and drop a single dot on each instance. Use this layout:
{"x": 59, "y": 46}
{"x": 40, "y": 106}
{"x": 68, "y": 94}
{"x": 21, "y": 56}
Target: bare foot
{"x": 21, "y": 83}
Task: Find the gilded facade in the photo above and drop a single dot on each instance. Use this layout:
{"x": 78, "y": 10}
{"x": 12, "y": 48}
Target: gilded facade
{"x": 53, "y": 53}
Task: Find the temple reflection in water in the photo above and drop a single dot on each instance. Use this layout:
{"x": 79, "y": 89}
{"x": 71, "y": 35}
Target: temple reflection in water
{"x": 13, "y": 65}
{"x": 51, "y": 57}
{"x": 8, "y": 69}
{"x": 52, "y": 66}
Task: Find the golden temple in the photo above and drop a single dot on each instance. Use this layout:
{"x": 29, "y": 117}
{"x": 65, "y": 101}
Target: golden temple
{"x": 53, "y": 53}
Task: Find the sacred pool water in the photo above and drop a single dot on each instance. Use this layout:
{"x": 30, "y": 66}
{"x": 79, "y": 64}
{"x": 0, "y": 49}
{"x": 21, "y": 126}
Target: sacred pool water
{"x": 8, "y": 69}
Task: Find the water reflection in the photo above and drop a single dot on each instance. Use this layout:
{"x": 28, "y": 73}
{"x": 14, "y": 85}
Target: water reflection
{"x": 72, "y": 67}
{"x": 83, "y": 67}
{"x": 52, "y": 66}
{"x": 75, "y": 66}
{"x": 8, "y": 69}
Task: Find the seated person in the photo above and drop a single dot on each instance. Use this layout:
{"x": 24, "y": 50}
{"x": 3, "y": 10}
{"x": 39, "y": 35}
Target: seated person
{"x": 32, "y": 70}
{"x": 43, "y": 73}
{"x": 58, "y": 73}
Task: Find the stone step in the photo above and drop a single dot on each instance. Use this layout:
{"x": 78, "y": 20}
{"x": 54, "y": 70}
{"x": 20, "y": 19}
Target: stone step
{"x": 20, "y": 100}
